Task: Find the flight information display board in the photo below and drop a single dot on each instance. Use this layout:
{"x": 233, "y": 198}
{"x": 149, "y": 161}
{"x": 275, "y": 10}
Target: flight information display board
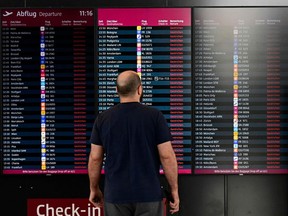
{"x": 219, "y": 77}
{"x": 240, "y": 85}
{"x": 155, "y": 42}
{"x": 47, "y": 90}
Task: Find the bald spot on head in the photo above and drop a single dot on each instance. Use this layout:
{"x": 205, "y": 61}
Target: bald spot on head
{"x": 127, "y": 83}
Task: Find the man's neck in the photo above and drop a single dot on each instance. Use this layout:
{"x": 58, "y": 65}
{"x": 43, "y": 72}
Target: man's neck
{"x": 129, "y": 100}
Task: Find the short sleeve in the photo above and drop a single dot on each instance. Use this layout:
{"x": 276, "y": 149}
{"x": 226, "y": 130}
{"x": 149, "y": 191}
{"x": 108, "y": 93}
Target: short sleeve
{"x": 95, "y": 134}
{"x": 163, "y": 131}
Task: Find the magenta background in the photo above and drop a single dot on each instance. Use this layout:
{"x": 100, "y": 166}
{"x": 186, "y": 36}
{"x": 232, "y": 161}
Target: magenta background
{"x": 134, "y": 16}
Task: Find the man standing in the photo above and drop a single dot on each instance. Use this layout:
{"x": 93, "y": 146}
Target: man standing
{"x": 136, "y": 140}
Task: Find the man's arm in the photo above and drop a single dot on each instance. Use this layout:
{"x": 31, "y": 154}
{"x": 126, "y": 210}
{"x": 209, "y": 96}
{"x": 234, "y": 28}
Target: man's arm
{"x": 94, "y": 171}
{"x": 170, "y": 167}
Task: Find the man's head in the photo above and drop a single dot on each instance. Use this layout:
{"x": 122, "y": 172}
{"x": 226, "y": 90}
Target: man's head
{"x": 129, "y": 86}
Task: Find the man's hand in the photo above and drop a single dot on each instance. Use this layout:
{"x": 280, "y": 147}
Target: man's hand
{"x": 96, "y": 198}
{"x": 174, "y": 204}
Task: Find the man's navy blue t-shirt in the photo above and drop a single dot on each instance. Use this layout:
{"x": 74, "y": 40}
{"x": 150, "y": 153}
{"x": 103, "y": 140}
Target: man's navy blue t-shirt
{"x": 130, "y": 133}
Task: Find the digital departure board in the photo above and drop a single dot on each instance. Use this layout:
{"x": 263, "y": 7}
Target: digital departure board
{"x": 155, "y": 42}
{"x": 219, "y": 75}
{"x": 240, "y": 85}
{"x": 47, "y": 90}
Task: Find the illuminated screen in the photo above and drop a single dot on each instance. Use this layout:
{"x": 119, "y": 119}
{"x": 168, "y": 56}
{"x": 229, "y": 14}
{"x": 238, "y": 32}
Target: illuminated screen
{"x": 219, "y": 75}
{"x": 240, "y": 83}
{"x": 157, "y": 44}
{"x": 47, "y": 90}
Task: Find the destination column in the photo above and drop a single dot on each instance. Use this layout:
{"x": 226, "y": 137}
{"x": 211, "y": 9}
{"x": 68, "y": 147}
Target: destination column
{"x": 20, "y": 98}
{"x": 213, "y": 92}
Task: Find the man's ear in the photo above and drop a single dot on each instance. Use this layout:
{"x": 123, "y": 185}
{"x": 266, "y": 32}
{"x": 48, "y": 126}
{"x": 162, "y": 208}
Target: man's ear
{"x": 139, "y": 90}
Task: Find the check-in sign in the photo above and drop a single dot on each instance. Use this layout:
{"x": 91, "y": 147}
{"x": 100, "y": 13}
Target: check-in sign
{"x": 62, "y": 207}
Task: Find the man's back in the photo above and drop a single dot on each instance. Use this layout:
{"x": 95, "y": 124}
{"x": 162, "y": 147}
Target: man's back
{"x": 129, "y": 133}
